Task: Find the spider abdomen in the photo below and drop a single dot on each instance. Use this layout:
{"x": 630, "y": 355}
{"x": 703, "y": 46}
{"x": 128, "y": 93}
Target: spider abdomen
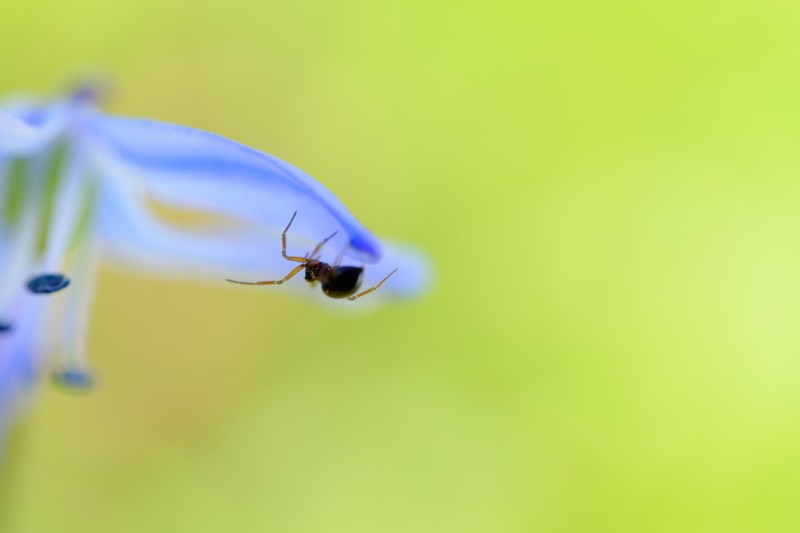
{"x": 343, "y": 281}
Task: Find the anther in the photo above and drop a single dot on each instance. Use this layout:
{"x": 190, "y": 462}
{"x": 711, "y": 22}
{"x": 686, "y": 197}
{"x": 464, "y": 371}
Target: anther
{"x": 47, "y": 283}
{"x": 74, "y": 379}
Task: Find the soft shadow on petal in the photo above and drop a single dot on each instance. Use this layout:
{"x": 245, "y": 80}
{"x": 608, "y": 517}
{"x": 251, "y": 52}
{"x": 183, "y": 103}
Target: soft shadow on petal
{"x": 191, "y": 168}
{"x": 136, "y": 239}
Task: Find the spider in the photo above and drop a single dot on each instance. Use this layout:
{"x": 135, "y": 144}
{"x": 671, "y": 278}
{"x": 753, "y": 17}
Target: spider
{"x": 337, "y": 281}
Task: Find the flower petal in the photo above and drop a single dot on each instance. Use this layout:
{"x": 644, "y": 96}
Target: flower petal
{"x": 26, "y": 131}
{"x": 136, "y": 239}
{"x": 192, "y": 168}
{"x": 19, "y": 366}
{"x": 16, "y": 136}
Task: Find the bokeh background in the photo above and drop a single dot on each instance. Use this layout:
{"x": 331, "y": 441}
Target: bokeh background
{"x": 610, "y": 194}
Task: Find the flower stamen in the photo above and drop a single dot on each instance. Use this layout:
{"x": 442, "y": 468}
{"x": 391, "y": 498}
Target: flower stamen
{"x": 74, "y": 379}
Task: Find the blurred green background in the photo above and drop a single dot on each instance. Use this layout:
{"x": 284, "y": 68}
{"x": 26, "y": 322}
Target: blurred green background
{"x": 610, "y": 193}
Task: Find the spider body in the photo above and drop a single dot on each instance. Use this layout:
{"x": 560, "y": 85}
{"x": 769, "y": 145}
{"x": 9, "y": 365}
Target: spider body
{"x": 337, "y": 281}
{"x": 342, "y": 281}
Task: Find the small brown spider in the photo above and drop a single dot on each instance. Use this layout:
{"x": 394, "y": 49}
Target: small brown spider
{"x": 337, "y": 281}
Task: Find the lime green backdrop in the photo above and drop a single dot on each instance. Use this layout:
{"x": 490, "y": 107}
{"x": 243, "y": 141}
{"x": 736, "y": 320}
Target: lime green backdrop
{"x": 610, "y": 194}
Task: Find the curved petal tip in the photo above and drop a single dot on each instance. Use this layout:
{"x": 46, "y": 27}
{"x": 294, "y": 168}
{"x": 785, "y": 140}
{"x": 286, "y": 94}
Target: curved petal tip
{"x": 415, "y": 271}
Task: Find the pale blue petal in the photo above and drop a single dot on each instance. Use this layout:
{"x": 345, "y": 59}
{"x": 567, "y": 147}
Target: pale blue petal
{"x": 18, "y": 137}
{"x": 135, "y": 239}
{"x": 26, "y": 133}
{"x": 192, "y": 168}
{"x": 131, "y": 234}
{"x": 18, "y": 364}
{"x": 415, "y": 270}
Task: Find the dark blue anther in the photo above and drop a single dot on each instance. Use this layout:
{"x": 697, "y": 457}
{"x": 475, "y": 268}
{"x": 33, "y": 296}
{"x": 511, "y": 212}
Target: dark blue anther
{"x": 74, "y": 379}
{"x": 5, "y": 327}
{"x": 47, "y": 283}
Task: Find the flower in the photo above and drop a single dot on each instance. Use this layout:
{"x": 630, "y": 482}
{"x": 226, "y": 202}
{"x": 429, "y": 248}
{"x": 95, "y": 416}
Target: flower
{"x": 74, "y": 188}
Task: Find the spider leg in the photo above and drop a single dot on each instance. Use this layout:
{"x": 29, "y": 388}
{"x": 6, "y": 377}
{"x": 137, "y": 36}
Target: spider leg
{"x": 283, "y": 242}
{"x": 340, "y": 256}
{"x": 320, "y": 245}
{"x": 372, "y": 289}
{"x": 289, "y": 276}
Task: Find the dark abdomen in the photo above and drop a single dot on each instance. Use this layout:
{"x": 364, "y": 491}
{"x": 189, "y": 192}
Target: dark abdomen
{"x": 344, "y": 282}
